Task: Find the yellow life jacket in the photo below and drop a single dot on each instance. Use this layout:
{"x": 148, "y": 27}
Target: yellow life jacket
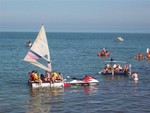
{"x": 35, "y": 76}
{"x": 55, "y": 75}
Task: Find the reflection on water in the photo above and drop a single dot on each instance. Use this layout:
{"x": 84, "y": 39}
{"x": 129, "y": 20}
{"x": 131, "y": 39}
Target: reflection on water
{"x": 46, "y": 100}
{"x": 135, "y": 82}
{"x": 91, "y": 90}
{"x": 41, "y": 99}
{"x": 116, "y": 77}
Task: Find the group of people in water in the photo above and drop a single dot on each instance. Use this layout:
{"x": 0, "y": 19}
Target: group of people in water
{"x": 104, "y": 52}
{"x": 140, "y": 55}
{"x": 115, "y": 68}
{"x": 48, "y": 77}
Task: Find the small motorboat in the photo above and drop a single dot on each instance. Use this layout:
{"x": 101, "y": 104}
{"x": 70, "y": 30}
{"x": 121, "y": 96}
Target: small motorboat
{"x": 86, "y": 81}
{"x": 28, "y": 43}
{"x": 119, "y": 39}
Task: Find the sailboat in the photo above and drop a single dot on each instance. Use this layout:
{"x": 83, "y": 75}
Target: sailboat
{"x": 38, "y": 51}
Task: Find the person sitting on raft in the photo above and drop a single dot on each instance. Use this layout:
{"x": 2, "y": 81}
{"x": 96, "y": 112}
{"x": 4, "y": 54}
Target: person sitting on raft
{"x": 59, "y": 77}
{"x": 107, "y": 69}
{"x": 126, "y": 68}
{"x": 42, "y": 77}
{"x": 56, "y": 76}
{"x": 34, "y": 76}
{"x": 139, "y": 56}
{"x": 103, "y": 52}
{"x": 118, "y": 68}
{"x": 48, "y": 76}
{"x": 31, "y": 76}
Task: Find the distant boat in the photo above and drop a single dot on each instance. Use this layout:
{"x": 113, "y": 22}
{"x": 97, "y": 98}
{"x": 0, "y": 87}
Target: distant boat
{"x": 119, "y": 39}
{"x": 28, "y": 43}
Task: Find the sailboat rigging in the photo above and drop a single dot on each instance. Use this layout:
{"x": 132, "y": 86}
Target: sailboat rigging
{"x": 39, "y": 50}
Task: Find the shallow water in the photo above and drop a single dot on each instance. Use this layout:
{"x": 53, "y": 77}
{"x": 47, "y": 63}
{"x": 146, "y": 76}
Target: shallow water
{"x": 75, "y": 54}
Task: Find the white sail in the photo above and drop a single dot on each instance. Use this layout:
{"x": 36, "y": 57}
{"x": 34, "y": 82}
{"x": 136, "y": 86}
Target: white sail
{"x": 39, "y": 50}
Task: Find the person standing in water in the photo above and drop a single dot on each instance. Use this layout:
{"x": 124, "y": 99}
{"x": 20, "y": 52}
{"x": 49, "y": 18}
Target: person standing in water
{"x": 135, "y": 76}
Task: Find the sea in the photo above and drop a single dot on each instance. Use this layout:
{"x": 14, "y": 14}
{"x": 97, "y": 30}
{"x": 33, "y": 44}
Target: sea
{"x": 75, "y": 55}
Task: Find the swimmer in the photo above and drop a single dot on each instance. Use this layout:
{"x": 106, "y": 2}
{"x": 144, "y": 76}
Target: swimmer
{"x": 135, "y": 76}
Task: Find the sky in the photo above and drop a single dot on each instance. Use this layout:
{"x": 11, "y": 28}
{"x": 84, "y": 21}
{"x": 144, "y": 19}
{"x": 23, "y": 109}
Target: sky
{"x": 75, "y": 15}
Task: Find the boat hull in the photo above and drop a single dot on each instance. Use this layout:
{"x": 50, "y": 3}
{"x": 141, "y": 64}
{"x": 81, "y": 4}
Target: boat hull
{"x": 116, "y": 73}
{"x": 33, "y": 84}
{"x": 119, "y": 39}
{"x": 82, "y": 83}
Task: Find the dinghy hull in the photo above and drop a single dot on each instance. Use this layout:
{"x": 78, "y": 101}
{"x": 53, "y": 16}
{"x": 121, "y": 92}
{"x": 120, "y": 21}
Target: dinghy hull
{"x": 33, "y": 84}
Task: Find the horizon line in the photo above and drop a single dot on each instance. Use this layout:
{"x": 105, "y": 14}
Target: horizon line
{"x": 81, "y": 31}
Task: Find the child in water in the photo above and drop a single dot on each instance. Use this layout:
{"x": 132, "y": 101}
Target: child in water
{"x": 135, "y": 76}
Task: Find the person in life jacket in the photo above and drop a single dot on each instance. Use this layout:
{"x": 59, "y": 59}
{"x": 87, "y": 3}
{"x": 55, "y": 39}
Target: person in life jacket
{"x": 140, "y": 55}
{"x": 87, "y": 78}
{"x": 55, "y": 75}
{"x": 36, "y": 77}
